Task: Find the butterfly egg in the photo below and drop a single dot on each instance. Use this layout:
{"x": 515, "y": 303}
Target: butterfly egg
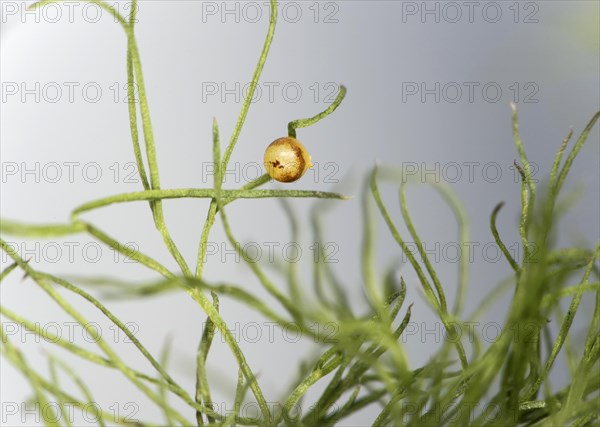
{"x": 286, "y": 159}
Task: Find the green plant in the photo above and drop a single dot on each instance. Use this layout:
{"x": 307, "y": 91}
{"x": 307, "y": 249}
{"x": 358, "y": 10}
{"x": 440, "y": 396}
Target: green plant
{"x": 365, "y": 364}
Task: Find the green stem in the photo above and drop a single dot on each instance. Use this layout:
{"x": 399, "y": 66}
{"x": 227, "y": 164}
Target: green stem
{"x": 118, "y": 362}
{"x": 179, "y": 193}
{"x": 499, "y": 241}
{"x": 253, "y": 84}
{"x": 302, "y": 123}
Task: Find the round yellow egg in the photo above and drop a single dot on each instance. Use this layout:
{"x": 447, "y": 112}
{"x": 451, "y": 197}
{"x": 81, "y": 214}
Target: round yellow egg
{"x": 286, "y": 159}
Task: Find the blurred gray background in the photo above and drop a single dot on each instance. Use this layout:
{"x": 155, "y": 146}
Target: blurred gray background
{"x": 429, "y": 85}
